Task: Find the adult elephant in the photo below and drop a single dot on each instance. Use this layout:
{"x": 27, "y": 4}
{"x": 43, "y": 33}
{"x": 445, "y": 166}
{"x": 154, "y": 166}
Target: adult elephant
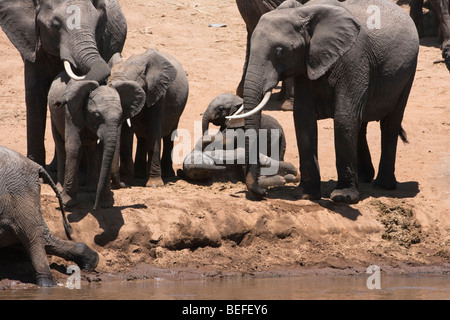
{"x": 251, "y": 11}
{"x": 345, "y": 68}
{"x": 50, "y": 34}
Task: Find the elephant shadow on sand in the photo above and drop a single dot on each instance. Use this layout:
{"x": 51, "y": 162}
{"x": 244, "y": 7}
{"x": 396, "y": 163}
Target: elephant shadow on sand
{"x": 110, "y": 220}
{"x": 405, "y": 190}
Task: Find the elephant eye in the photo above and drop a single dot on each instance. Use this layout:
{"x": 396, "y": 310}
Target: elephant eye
{"x": 279, "y": 52}
{"x": 56, "y": 24}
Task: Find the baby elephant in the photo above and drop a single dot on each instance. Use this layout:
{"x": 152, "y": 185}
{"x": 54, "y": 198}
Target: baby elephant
{"x": 87, "y": 117}
{"x": 166, "y": 87}
{"x": 227, "y": 104}
{"x": 21, "y": 218}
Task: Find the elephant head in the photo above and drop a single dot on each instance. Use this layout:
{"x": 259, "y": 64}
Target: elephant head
{"x": 292, "y": 41}
{"x": 102, "y": 109}
{"x": 68, "y": 29}
{"x": 222, "y": 106}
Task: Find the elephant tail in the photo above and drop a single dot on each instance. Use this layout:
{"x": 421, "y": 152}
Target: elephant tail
{"x": 403, "y": 135}
{"x": 46, "y": 177}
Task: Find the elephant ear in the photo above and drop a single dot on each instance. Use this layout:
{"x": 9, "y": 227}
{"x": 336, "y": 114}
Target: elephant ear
{"x": 18, "y": 21}
{"x": 75, "y": 96}
{"x": 132, "y": 97}
{"x": 159, "y": 76}
{"x": 333, "y": 31}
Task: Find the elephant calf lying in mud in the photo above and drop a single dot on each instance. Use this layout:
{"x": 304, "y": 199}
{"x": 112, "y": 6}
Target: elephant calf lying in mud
{"x": 223, "y": 153}
{"x": 21, "y": 218}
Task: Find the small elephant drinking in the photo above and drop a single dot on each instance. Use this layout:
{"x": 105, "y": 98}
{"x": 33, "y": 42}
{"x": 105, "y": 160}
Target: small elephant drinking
{"x": 166, "y": 88}
{"x": 88, "y": 118}
{"x": 21, "y": 218}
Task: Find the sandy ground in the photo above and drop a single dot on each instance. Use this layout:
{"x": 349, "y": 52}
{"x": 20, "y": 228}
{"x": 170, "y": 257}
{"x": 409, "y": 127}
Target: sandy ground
{"x": 185, "y": 229}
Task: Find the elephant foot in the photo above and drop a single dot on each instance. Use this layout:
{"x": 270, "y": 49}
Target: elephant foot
{"x": 347, "y": 195}
{"x": 169, "y": 173}
{"x": 385, "y": 183}
{"x": 45, "y": 281}
{"x": 88, "y": 258}
{"x": 272, "y": 181}
{"x": 288, "y": 105}
{"x": 68, "y": 201}
{"x": 364, "y": 177}
{"x": 310, "y": 193}
{"x": 155, "y": 182}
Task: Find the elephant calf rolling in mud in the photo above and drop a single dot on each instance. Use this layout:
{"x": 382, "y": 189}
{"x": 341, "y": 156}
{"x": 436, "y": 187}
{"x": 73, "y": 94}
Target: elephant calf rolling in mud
{"x": 21, "y": 218}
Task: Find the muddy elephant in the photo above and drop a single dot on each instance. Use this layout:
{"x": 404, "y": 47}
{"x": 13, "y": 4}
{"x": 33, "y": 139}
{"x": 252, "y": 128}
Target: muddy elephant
{"x": 227, "y": 104}
{"x": 251, "y": 11}
{"x": 79, "y": 35}
{"x": 87, "y": 117}
{"x": 166, "y": 88}
{"x": 21, "y": 218}
{"x": 343, "y": 70}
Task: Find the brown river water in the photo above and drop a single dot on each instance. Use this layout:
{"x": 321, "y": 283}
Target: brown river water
{"x": 420, "y": 287}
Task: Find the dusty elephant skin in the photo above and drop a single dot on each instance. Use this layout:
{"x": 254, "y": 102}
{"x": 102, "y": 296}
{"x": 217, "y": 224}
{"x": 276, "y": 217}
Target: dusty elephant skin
{"x": 21, "y": 218}
{"x": 43, "y": 33}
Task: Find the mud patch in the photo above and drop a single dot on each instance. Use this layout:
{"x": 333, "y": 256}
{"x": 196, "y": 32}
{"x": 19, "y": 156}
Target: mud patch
{"x": 401, "y": 225}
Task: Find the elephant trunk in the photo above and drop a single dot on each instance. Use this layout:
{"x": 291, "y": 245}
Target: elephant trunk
{"x": 258, "y": 85}
{"x": 207, "y": 118}
{"x": 81, "y": 51}
{"x": 109, "y": 148}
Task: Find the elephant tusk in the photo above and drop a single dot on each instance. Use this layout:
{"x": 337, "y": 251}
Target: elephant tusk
{"x": 239, "y": 110}
{"x": 129, "y": 123}
{"x": 257, "y": 109}
{"x": 70, "y": 73}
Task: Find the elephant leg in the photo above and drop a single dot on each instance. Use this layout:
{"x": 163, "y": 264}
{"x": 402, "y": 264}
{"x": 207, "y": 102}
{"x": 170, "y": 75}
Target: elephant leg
{"x": 390, "y": 130}
{"x": 154, "y": 136}
{"x": 346, "y": 132}
{"x": 36, "y": 88}
{"x": 126, "y": 171}
{"x": 366, "y": 171}
{"x": 305, "y": 120}
{"x": 140, "y": 161}
{"x": 29, "y": 228}
{"x": 60, "y": 154}
{"x": 166, "y": 159}
{"x": 71, "y": 177}
{"x": 93, "y": 159}
{"x": 80, "y": 253}
{"x": 417, "y": 15}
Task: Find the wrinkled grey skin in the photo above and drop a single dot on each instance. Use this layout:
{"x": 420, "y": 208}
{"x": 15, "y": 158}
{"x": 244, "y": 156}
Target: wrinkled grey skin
{"x": 166, "y": 87}
{"x": 343, "y": 70}
{"x": 21, "y": 218}
{"x": 442, "y": 10}
{"x": 43, "y": 33}
{"x": 227, "y": 104}
{"x": 89, "y": 113}
{"x": 251, "y": 11}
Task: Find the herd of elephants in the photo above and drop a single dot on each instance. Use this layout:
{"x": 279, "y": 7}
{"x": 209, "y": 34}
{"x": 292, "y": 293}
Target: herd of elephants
{"x": 350, "y": 60}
